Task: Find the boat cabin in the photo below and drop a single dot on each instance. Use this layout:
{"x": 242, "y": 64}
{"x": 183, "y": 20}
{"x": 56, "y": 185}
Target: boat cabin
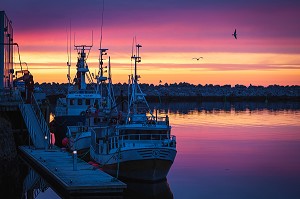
{"x": 79, "y": 103}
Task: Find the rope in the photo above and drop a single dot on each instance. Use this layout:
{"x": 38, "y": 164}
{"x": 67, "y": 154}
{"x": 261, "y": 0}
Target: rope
{"x": 101, "y": 166}
{"x": 83, "y": 155}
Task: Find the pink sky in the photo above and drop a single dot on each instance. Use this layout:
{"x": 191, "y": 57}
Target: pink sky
{"x": 171, "y": 32}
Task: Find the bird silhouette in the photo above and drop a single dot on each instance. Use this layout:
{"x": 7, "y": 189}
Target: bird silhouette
{"x": 198, "y": 58}
{"x": 234, "y": 34}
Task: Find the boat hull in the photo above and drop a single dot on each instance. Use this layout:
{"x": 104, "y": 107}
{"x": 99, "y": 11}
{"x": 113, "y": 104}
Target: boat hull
{"x": 144, "y": 170}
{"x": 151, "y": 164}
{"x": 82, "y": 142}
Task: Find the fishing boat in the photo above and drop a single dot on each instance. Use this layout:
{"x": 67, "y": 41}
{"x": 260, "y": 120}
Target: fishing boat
{"x": 140, "y": 146}
{"x": 82, "y": 100}
{"x": 79, "y": 136}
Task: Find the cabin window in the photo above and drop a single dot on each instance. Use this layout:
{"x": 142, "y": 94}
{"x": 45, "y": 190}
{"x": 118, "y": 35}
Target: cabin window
{"x": 144, "y": 134}
{"x": 71, "y": 101}
{"x": 79, "y": 101}
{"x": 96, "y": 105}
{"x": 87, "y": 102}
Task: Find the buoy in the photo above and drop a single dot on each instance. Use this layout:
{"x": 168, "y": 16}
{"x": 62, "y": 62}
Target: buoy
{"x": 65, "y": 141}
{"x": 95, "y": 165}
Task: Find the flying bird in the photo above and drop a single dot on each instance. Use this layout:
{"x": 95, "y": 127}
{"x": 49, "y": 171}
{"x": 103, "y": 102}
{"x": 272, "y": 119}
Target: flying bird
{"x": 234, "y": 34}
{"x": 198, "y": 58}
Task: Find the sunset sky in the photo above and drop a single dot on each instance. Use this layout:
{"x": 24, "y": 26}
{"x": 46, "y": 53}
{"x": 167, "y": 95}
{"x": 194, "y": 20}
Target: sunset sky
{"x": 172, "y": 32}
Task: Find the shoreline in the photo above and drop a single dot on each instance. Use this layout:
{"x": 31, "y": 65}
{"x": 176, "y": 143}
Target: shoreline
{"x": 222, "y": 98}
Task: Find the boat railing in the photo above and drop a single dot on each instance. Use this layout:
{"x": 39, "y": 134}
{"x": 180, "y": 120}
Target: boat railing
{"x": 96, "y": 134}
{"x": 134, "y": 140}
{"x": 98, "y": 148}
{"x": 150, "y": 120}
{"x": 162, "y": 120}
{"x": 73, "y": 130}
{"x": 82, "y": 92}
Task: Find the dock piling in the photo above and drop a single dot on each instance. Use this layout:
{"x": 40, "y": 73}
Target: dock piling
{"x": 46, "y": 143}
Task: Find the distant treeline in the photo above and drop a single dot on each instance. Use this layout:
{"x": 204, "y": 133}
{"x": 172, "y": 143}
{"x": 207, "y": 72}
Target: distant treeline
{"x": 184, "y": 92}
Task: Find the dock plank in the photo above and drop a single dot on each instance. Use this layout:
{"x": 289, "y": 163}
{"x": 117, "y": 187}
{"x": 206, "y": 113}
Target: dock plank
{"x": 58, "y": 166}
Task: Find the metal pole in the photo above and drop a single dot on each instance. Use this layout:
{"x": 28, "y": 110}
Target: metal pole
{"x": 2, "y": 74}
{"x": 74, "y": 160}
{"x": 46, "y": 143}
{"x": 119, "y": 149}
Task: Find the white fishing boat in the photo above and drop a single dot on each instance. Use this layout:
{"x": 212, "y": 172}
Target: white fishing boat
{"x": 140, "y": 146}
{"x": 79, "y": 137}
{"x": 70, "y": 110}
{"x": 83, "y": 107}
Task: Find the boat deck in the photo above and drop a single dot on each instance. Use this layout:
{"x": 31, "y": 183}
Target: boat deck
{"x": 57, "y": 168}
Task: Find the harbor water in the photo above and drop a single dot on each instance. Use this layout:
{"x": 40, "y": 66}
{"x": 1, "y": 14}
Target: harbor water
{"x": 224, "y": 150}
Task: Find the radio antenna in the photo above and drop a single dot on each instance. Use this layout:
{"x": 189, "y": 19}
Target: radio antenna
{"x": 91, "y": 45}
{"x": 69, "y": 53}
{"x": 68, "y": 47}
{"x": 92, "y": 37}
{"x": 133, "y": 44}
{"x": 102, "y": 16}
{"x": 70, "y": 42}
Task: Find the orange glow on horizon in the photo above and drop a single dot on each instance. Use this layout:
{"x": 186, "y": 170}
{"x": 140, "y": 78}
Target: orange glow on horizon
{"x": 46, "y": 56}
{"x": 216, "y": 68}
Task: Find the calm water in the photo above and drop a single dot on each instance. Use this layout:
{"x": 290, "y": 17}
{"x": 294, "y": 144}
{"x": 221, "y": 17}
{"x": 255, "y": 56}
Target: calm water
{"x": 228, "y": 151}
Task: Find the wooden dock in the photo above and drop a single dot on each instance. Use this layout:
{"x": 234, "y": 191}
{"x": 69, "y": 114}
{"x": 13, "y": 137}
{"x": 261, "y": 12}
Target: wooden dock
{"x": 57, "y": 168}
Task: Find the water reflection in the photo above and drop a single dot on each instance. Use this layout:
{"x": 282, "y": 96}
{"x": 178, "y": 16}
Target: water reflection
{"x": 158, "y": 190}
{"x": 11, "y": 178}
{"x": 186, "y": 108}
{"x": 34, "y": 186}
{"x": 234, "y": 119}
{"x": 236, "y": 154}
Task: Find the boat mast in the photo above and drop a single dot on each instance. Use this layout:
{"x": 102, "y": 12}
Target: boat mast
{"x": 101, "y": 79}
{"x": 137, "y": 59}
{"x": 111, "y": 96}
{"x": 82, "y": 67}
{"x": 101, "y": 72}
{"x": 138, "y": 103}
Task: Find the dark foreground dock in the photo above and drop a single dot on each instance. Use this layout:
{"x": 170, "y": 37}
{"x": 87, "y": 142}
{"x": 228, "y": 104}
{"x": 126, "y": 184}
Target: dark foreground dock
{"x": 57, "y": 168}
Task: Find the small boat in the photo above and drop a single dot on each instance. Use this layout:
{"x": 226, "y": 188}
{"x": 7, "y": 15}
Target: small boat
{"x": 140, "y": 146}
